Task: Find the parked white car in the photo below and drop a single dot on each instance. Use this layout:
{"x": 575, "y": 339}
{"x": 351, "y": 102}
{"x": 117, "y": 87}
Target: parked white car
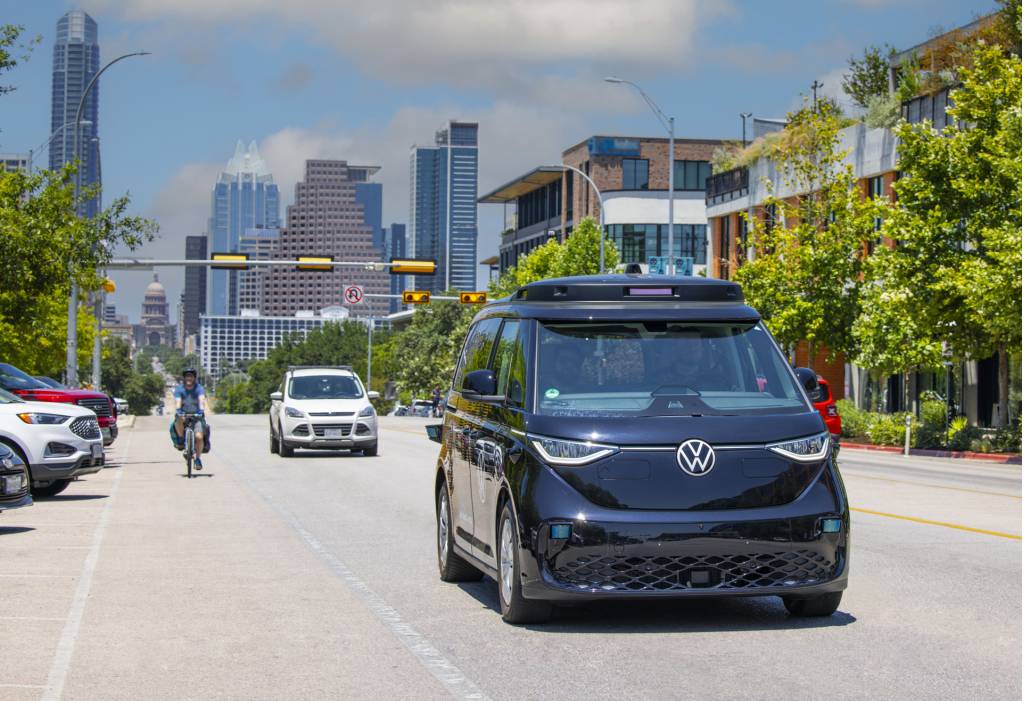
{"x": 323, "y": 408}
{"x": 58, "y": 442}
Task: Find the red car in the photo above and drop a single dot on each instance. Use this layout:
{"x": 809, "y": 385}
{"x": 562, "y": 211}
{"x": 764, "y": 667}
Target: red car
{"x": 30, "y": 389}
{"x": 826, "y": 406}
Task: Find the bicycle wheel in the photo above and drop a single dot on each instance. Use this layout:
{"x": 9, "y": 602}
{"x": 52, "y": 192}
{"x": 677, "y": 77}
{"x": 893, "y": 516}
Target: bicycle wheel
{"x": 190, "y": 449}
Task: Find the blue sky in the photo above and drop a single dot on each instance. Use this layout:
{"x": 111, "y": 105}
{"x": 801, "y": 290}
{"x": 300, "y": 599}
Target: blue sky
{"x": 364, "y": 81}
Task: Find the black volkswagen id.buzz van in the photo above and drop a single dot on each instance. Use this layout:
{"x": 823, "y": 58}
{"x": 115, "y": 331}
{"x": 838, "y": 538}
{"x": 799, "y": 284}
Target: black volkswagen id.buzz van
{"x": 633, "y": 436}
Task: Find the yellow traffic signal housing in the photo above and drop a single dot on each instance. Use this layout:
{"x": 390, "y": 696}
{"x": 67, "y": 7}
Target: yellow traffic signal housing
{"x": 416, "y": 297}
{"x": 108, "y": 286}
{"x": 227, "y": 257}
{"x": 473, "y": 298}
{"x": 410, "y": 266}
{"x": 314, "y": 263}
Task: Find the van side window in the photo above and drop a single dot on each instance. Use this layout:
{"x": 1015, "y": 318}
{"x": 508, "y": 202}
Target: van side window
{"x": 504, "y": 360}
{"x": 477, "y": 351}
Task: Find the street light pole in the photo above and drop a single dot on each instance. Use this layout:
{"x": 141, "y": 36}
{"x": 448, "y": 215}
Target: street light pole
{"x": 71, "y": 371}
{"x": 600, "y": 206}
{"x": 744, "y": 116}
{"x": 670, "y": 124}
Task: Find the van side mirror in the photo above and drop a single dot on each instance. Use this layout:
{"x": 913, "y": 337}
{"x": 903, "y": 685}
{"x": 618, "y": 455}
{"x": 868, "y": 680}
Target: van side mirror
{"x": 809, "y": 381}
{"x": 434, "y": 432}
{"x": 276, "y": 396}
{"x": 480, "y": 385}
{"x": 373, "y": 394}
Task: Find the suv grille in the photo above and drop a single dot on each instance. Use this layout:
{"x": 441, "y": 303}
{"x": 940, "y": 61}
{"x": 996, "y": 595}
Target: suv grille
{"x": 319, "y": 429}
{"x": 101, "y": 407}
{"x": 667, "y": 573}
{"x": 85, "y": 427}
{"x": 331, "y": 413}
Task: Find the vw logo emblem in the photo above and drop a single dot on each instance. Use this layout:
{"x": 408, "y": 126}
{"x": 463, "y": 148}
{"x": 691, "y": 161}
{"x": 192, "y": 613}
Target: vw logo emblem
{"x": 695, "y": 457}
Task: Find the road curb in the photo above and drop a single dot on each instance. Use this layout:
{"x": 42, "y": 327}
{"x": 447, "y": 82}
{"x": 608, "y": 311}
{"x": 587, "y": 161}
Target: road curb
{"x": 126, "y": 421}
{"x": 1002, "y": 458}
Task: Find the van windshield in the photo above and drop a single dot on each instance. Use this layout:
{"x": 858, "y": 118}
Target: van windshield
{"x": 659, "y": 368}
{"x": 325, "y": 387}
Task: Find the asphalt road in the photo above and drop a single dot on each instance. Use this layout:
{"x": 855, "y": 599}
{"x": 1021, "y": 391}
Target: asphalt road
{"x": 315, "y": 577}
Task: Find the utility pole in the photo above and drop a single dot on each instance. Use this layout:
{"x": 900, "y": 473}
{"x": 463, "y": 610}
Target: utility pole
{"x": 814, "y": 86}
{"x": 744, "y": 116}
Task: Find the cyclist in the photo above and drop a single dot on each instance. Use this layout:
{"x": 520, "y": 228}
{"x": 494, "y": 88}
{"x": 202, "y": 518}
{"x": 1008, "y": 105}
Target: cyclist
{"x": 190, "y": 397}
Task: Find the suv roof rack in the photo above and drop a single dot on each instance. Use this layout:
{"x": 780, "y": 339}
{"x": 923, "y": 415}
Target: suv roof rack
{"x": 319, "y": 367}
{"x": 630, "y": 288}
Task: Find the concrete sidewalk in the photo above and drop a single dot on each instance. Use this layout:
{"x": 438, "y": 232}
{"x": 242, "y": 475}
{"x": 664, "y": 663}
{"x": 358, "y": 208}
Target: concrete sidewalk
{"x": 139, "y": 583}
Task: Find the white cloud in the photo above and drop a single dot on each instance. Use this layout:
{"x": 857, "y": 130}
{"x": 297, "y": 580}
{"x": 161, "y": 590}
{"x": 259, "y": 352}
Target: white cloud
{"x": 466, "y": 43}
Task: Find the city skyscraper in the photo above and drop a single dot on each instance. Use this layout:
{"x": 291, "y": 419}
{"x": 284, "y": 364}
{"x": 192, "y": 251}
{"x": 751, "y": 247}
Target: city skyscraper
{"x": 76, "y": 60}
{"x": 395, "y": 247}
{"x": 326, "y": 220}
{"x": 194, "y": 294}
{"x": 245, "y": 197}
{"x": 259, "y": 244}
{"x": 442, "y": 206}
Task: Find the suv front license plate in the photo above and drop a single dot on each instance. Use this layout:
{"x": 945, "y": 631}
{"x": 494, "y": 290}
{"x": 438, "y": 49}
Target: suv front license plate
{"x": 97, "y": 451}
{"x": 332, "y": 433}
{"x": 13, "y": 483}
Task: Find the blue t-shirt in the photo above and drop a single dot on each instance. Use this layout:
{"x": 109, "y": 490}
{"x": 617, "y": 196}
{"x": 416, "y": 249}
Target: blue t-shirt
{"x": 189, "y": 397}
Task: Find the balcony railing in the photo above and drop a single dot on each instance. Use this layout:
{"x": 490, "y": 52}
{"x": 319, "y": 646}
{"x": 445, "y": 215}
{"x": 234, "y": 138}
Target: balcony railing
{"x": 720, "y": 185}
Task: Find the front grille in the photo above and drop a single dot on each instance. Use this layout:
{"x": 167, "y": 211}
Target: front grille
{"x": 667, "y": 573}
{"x": 331, "y": 413}
{"x": 320, "y": 429}
{"x": 101, "y": 407}
{"x": 85, "y": 427}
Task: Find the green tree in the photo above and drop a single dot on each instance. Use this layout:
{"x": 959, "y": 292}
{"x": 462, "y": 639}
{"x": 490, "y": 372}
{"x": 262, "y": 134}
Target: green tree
{"x": 9, "y": 48}
{"x": 868, "y": 76}
{"x": 955, "y": 274}
{"x": 579, "y": 254}
{"x": 806, "y": 277}
{"x": 116, "y": 365}
{"x": 143, "y": 391}
{"x": 234, "y": 395}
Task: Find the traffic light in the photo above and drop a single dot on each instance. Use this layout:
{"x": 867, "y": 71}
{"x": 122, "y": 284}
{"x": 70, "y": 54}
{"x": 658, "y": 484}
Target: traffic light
{"x": 406, "y": 266}
{"x": 416, "y": 297}
{"x": 230, "y": 257}
{"x": 314, "y": 263}
{"x": 473, "y": 298}
{"x": 108, "y": 286}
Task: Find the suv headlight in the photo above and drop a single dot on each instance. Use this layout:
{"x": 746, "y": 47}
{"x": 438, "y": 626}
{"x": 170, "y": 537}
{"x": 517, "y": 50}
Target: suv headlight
{"x": 293, "y": 412}
{"x": 45, "y": 419}
{"x": 810, "y": 449}
{"x": 367, "y": 411}
{"x": 557, "y": 451}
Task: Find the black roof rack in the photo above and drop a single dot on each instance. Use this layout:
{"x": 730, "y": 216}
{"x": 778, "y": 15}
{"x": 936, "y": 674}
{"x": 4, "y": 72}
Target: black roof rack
{"x": 630, "y": 288}
{"x": 319, "y": 367}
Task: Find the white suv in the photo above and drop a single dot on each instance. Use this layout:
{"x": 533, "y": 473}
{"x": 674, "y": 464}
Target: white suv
{"x": 58, "y": 442}
{"x": 323, "y": 407}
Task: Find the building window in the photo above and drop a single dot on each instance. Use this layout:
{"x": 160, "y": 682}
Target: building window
{"x": 635, "y": 173}
{"x": 691, "y": 175}
{"x": 723, "y": 247}
{"x": 639, "y": 242}
{"x": 876, "y": 188}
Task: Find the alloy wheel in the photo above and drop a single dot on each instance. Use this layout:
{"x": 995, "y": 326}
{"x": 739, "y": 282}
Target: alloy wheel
{"x": 506, "y": 560}
{"x": 442, "y": 529}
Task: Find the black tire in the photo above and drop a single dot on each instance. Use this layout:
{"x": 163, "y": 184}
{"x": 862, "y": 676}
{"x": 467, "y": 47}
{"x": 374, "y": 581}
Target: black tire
{"x": 273, "y": 442}
{"x": 823, "y": 605}
{"x": 514, "y": 608}
{"x": 370, "y": 450}
{"x": 450, "y": 566}
{"x": 283, "y": 449}
{"x": 52, "y": 489}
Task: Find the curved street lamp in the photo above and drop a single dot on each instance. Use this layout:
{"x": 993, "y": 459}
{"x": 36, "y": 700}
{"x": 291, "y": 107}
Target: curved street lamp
{"x": 71, "y": 370}
{"x": 600, "y": 206}
{"x": 670, "y": 125}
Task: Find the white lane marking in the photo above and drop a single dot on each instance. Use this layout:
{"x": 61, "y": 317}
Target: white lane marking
{"x": 22, "y": 686}
{"x": 44, "y": 576}
{"x": 73, "y": 623}
{"x": 30, "y": 618}
{"x": 457, "y": 684}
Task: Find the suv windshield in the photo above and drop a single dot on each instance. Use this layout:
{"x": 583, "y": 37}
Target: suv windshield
{"x": 659, "y": 368}
{"x": 325, "y": 387}
{"x": 13, "y": 378}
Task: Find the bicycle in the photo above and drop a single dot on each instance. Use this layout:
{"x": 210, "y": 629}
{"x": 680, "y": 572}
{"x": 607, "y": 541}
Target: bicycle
{"x": 189, "y": 451}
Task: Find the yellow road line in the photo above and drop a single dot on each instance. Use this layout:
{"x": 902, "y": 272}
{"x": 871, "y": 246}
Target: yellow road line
{"x": 958, "y": 527}
{"x": 930, "y": 486}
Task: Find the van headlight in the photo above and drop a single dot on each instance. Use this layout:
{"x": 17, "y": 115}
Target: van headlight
{"x": 45, "y": 419}
{"x": 293, "y": 413}
{"x": 558, "y": 451}
{"x": 367, "y": 411}
{"x": 810, "y": 449}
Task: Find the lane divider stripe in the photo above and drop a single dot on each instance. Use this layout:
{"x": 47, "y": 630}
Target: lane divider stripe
{"x": 929, "y": 522}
